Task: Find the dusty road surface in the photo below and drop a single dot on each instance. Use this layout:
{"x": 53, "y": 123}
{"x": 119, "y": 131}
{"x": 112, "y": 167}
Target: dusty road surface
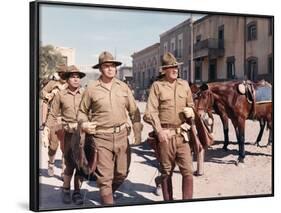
{"x": 222, "y": 178}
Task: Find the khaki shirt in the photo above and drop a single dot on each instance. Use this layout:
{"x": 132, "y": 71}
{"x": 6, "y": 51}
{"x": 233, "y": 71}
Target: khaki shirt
{"x": 166, "y": 103}
{"x": 108, "y": 107}
{"x": 66, "y": 104}
{"x": 52, "y": 87}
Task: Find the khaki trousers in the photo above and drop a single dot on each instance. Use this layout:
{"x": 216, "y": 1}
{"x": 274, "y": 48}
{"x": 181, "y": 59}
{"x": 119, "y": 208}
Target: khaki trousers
{"x": 176, "y": 151}
{"x": 114, "y": 158}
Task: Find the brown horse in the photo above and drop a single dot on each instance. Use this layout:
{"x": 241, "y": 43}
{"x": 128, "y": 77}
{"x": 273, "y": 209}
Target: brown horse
{"x": 227, "y": 102}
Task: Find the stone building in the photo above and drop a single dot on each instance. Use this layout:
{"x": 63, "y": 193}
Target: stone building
{"x": 145, "y": 69}
{"x": 232, "y": 47}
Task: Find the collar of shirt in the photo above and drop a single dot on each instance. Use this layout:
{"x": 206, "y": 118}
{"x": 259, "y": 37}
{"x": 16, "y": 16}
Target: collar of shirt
{"x": 68, "y": 91}
{"x": 166, "y": 83}
{"x": 114, "y": 81}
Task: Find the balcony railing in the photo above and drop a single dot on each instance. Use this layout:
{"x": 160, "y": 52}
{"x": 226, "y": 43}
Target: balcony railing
{"x": 210, "y": 47}
{"x": 210, "y": 43}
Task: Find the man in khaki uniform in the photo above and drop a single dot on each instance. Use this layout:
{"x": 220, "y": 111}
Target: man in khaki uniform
{"x": 168, "y": 98}
{"x": 66, "y": 103}
{"x": 49, "y": 136}
{"x": 108, "y": 100}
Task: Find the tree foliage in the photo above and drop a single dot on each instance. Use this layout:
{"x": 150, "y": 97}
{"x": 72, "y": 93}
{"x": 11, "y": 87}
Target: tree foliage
{"x": 49, "y": 59}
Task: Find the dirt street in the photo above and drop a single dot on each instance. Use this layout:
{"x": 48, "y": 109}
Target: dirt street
{"x": 221, "y": 177}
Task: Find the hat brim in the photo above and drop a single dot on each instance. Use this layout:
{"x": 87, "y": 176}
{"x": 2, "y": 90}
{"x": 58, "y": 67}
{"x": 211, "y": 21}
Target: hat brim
{"x": 169, "y": 66}
{"x": 67, "y": 74}
{"x": 97, "y": 66}
{"x": 172, "y": 65}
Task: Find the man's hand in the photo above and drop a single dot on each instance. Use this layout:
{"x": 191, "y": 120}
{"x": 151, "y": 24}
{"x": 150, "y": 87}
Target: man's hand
{"x": 164, "y": 136}
{"x": 89, "y": 127}
{"x": 189, "y": 112}
{"x": 49, "y": 96}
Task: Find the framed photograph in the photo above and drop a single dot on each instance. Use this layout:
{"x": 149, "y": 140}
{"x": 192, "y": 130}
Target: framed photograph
{"x": 142, "y": 106}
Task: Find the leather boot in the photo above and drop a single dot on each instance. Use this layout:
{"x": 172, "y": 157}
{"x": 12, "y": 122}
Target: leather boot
{"x": 170, "y": 188}
{"x": 115, "y": 186}
{"x": 107, "y": 199}
{"x": 167, "y": 188}
{"x": 187, "y": 187}
{"x": 158, "y": 180}
{"x": 65, "y": 195}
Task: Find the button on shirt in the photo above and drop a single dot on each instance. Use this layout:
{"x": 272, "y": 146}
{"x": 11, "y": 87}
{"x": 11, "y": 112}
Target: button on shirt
{"x": 166, "y": 103}
{"x": 108, "y": 107}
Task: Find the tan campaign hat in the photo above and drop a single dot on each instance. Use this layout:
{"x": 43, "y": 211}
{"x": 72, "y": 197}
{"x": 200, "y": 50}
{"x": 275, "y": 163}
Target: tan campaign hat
{"x": 106, "y": 57}
{"x": 73, "y": 69}
{"x": 169, "y": 60}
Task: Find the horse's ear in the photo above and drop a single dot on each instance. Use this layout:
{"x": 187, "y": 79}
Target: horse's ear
{"x": 204, "y": 87}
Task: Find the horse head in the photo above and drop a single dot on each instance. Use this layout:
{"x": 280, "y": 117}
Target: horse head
{"x": 204, "y": 102}
{"x": 204, "y": 99}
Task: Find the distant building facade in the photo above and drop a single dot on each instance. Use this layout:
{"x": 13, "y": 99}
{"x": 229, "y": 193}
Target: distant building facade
{"x": 68, "y": 55}
{"x": 91, "y": 74}
{"x": 224, "y": 48}
{"x": 232, "y": 47}
{"x": 125, "y": 74}
{"x": 146, "y": 65}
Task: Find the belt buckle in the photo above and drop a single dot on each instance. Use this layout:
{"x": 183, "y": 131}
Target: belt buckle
{"x": 115, "y": 129}
{"x": 178, "y": 130}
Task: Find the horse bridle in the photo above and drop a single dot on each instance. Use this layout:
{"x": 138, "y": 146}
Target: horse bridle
{"x": 210, "y": 96}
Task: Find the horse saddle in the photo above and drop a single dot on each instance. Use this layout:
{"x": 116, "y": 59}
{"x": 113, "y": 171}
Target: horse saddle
{"x": 258, "y": 93}
{"x": 246, "y": 88}
{"x": 263, "y": 94}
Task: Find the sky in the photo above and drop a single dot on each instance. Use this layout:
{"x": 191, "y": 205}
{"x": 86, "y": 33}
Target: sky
{"x": 92, "y": 30}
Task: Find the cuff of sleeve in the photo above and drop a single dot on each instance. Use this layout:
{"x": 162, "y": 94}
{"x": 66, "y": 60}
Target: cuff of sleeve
{"x": 158, "y": 128}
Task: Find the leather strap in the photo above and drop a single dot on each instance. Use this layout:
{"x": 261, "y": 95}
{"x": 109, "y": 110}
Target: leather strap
{"x": 114, "y": 129}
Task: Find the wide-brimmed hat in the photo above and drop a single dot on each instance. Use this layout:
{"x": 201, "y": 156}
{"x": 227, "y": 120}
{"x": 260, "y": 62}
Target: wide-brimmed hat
{"x": 61, "y": 68}
{"x": 169, "y": 60}
{"x": 73, "y": 69}
{"x": 106, "y": 57}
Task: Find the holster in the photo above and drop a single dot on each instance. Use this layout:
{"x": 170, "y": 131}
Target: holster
{"x": 185, "y": 131}
{"x": 153, "y": 142}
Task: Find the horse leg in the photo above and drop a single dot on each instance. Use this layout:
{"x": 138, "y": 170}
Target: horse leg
{"x": 224, "y": 120}
{"x": 269, "y": 124}
{"x": 240, "y": 132}
{"x": 200, "y": 163}
{"x": 269, "y": 137}
{"x": 262, "y": 125}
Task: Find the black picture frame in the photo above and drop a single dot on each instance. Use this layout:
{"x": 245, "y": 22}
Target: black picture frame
{"x": 35, "y": 89}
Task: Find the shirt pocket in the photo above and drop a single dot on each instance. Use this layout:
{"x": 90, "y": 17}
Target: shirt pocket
{"x": 99, "y": 101}
{"x": 122, "y": 98}
{"x": 182, "y": 98}
{"x": 166, "y": 100}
